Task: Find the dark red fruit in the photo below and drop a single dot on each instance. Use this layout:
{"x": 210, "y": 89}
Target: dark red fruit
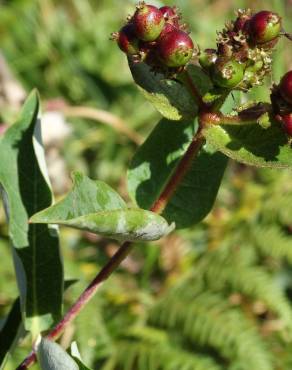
{"x": 127, "y": 40}
{"x": 168, "y": 27}
{"x": 264, "y": 26}
{"x": 170, "y": 15}
{"x": 286, "y": 87}
{"x": 287, "y": 123}
{"x": 242, "y": 23}
{"x": 148, "y": 22}
{"x": 175, "y": 48}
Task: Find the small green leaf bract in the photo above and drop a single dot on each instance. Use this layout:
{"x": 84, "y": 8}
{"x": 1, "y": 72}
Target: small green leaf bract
{"x": 170, "y": 97}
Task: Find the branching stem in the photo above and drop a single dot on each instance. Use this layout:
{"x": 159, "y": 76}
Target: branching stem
{"x": 186, "y": 79}
{"x": 208, "y": 115}
{"x": 125, "y": 248}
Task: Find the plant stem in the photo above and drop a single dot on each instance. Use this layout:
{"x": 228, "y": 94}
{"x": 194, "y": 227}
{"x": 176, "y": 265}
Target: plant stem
{"x": 181, "y": 170}
{"x": 186, "y": 79}
{"x": 85, "y": 297}
{"x": 125, "y": 248}
{"x": 248, "y": 116}
{"x": 105, "y": 117}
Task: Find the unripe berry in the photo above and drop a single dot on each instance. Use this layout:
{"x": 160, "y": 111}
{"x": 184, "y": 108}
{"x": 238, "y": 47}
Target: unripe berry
{"x": 286, "y": 87}
{"x": 207, "y": 58}
{"x": 127, "y": 40}
{"x": 227, "y": 74}
{"x": 175, "y": 49}
{"x": 287, "y": 123}
{"x": 264, "y": 26}
{"x": 148, "y": 22}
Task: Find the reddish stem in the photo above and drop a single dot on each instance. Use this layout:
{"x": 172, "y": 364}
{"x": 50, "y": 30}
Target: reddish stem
{"x": 125, "y": 248}
{"x": 85, "y": 297}
{"x": 181, "y": 170}
{"x": 186, "y": 78}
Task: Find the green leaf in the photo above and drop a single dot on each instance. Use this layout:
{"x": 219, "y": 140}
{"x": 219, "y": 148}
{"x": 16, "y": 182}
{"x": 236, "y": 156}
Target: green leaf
{"x": 51, "y": 356}
{"x": 81, "y": 365}
{"x": 94, "y": 206}
{"x": 156, "y": 161}
{"x": 25, "y": 190}
{"x": 74, "y": 352}
{"x": 170, "y": 97}
{"x": 11, "y": 330}
{"x": 252, "y": 144}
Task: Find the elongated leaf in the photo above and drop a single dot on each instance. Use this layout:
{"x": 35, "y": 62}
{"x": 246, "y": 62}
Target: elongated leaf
{"x": 25, "y": 190}
{"x": 10, "y": 332}
{"x": 94, "y": 206}
{"x": 121, "y": 224}
{"x": 252, "y": 144}
{"x": 51, "y": 356}
{"x": 156, "y": 161}
{"x": 171, "y": 98}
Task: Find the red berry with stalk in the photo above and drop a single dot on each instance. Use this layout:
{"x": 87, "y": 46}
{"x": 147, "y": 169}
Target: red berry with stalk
{"x": 264, "y": 27}
{"x": 286, "y": 87}
{"x": 127, "y": 40}
{"x": 175, "y": 49}
{"x": 148, "y": 22}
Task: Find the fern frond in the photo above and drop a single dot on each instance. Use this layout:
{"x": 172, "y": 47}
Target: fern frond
{"x": 272, "y": 242}
{"x": 209, "y": 322}
{"x": 145, "y": 356}
{"x": 220, "y": 272}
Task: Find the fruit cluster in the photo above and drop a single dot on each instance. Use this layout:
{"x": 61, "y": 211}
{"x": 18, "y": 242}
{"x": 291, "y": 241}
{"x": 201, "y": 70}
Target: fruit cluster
{"x": 156, "y": 37}
{"x": 281, "y": 98}
{"x": 243, "y": 55}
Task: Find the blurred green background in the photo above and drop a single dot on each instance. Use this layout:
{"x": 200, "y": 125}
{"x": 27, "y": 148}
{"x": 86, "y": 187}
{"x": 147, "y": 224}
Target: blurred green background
{"x": 217, "y": 296}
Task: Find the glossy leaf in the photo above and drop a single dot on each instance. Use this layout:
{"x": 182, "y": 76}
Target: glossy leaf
{"x": 94, "y": 206}
{"x": 25, "y": 190}
{"x": 170, "y": 97}
{"x": 252, "y": 144}
{"x": 156, "y": 161}
{"x": 51, "y": 356}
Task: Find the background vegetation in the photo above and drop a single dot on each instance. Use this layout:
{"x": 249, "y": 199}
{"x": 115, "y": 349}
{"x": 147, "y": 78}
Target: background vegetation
{"x": 217, "y": 296}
